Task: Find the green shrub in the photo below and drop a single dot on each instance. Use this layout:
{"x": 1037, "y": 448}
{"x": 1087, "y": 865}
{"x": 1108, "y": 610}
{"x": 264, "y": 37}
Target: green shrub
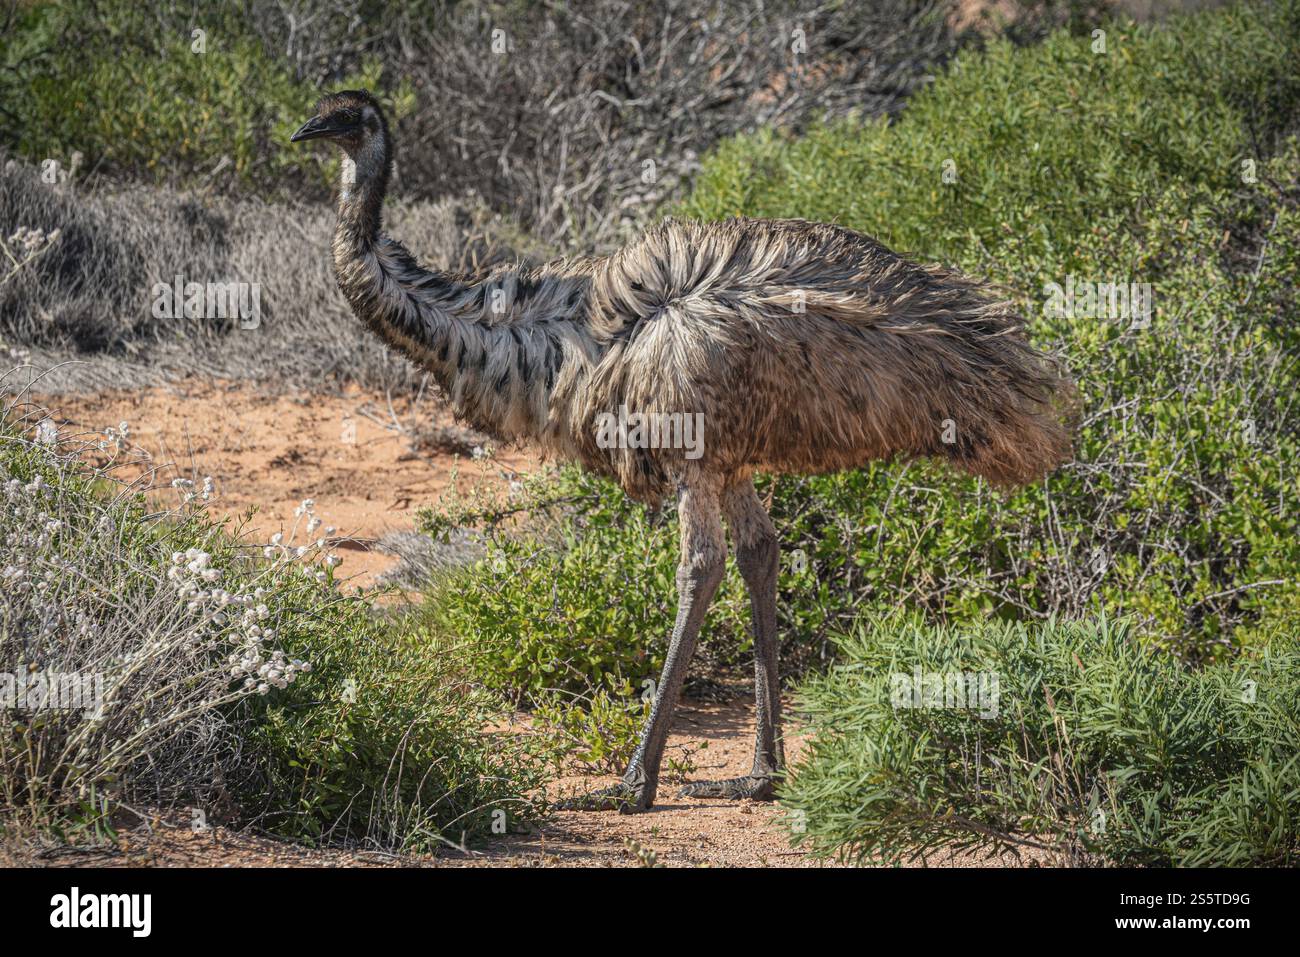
{"x": 579, "y": 600}
{"x": 599, "y": 732}
{"x": 139, "y": 101}
{"x": 220, "y": 678}
{"x": 1125, "y": 166}
{"x": 1076, "y": 738}
{"x": 1049, "y": 143}
{"x": 384, "y": 742}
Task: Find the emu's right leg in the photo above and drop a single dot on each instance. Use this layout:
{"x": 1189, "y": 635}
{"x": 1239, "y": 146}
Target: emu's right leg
{"x": 703, "y": 560}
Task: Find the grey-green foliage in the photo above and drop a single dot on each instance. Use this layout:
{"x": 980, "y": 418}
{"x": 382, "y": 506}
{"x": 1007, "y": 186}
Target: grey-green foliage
{"x": 1094, "y": 746}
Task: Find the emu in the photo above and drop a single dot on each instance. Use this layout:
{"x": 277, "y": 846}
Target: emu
{"x": 806, "y": 347}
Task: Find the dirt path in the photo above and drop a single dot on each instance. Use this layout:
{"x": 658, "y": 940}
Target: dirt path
{"x": 368, "y": 463}
{"x": 677, "y": 832}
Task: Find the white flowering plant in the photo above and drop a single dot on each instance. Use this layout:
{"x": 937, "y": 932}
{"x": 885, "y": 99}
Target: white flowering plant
{"x": 228, "y": 676}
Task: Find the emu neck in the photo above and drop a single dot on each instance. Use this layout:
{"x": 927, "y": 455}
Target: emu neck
{"x": 493, "y": 347}
{"x": 362, "y": 187}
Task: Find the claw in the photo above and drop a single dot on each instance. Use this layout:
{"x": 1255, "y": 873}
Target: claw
{"x": 752, "y": 787}
{"x": 619, "y": 797}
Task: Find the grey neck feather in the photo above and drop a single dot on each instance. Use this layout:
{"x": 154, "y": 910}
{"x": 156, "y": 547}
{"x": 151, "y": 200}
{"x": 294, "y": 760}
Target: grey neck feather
{"x": 497, "y": 364}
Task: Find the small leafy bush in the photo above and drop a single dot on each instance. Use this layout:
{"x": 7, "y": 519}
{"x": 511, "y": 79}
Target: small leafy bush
{"x": 580, "y": 598}
{"x": 1093, "y": 746}
{"x": 385, "y": 742}
{"x": 599, "y": 732}
{"x": 570, "y": 608}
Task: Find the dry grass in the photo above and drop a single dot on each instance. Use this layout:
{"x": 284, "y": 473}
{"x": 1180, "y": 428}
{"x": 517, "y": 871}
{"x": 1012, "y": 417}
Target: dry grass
{"x": 89, "y": 298}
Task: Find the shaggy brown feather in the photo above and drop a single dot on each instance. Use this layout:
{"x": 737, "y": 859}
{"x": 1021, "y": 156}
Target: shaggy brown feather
{"x": 811, "y": 348}
{"x": 806, "y": 348}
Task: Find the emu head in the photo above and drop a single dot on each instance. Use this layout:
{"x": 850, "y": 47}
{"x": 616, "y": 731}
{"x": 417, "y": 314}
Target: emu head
{"x": 352, "y": 120}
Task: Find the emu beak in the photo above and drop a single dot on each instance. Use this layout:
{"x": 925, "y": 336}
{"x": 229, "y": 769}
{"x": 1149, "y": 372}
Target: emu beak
{"x": 313, "y": 128}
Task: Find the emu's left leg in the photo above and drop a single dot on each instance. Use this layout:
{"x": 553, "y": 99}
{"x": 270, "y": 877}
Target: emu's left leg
{"x": 703, "y": 560}
{"x": 758, "y": 555}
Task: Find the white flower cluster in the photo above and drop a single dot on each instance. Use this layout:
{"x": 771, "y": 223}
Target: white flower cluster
{"x": 31, "y": 566}
{"x": 31, "y": 241}
{"x": 47, "y": 433}
{"x": 261, "y": 667}
{"x": 188, "y": 570}
{"x": 118, "y": 436}
{"x": 278, "y": 549}
{"x": 31, "y": 532}
{"x": 186, "y": 487}
{"x": 15, "y": 488}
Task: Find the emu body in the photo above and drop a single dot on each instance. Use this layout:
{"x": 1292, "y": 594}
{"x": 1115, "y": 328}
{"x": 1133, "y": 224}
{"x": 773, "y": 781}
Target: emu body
{"x": 804, "y": 347}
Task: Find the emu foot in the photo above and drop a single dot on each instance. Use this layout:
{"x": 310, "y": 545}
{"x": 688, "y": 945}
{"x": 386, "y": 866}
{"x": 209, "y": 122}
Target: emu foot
{"x": 752, "y": 786}
{"x": 620, "y": 797}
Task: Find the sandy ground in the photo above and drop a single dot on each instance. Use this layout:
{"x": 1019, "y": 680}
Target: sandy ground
{"x": 359, "y": 456}
{"x": 362, "y": 461}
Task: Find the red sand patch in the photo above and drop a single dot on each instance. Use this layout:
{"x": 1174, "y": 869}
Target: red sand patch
{"x": 353, "y": 453}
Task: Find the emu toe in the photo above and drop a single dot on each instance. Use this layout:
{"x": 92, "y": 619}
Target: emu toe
{"x": 619, "y": 797}
{"x": 752, "y": 786}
